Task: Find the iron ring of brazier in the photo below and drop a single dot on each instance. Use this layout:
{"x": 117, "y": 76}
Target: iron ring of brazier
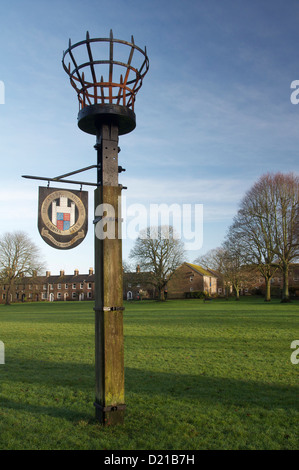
{"x": 102, "y": 97}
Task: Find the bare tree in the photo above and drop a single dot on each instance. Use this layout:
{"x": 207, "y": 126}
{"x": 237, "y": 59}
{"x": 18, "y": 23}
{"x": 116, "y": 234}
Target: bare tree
{"x": 285, "y": 195}
{"x": 267, "y": 226}
{"x": 215, "y": 261}
{"x": 127, "y": 267}
{"x": 158, "y": 251}
{"x": 253, "y": 229}
{"x": 235, "y": 271}
{"x": 19, "y": 257}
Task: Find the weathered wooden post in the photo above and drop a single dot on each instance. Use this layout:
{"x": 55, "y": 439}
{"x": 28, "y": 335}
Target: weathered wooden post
{"x": 106, "y": 110}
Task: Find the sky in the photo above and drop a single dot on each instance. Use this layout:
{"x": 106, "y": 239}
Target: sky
{"x": 214, "y": 112}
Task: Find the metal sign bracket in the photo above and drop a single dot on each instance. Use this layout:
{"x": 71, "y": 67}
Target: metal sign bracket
{"x": 61, "y": 178}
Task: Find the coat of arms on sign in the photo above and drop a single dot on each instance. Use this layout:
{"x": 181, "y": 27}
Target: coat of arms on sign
{"x": 62, "y": 217}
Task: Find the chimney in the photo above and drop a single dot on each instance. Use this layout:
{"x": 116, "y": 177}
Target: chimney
{"x": 138, "y": 269}
{"x": 90, "y": 273}
{"x": 76, "y": 272}
{"x": 48, "y": 273}
{"x": 61, "y": 273}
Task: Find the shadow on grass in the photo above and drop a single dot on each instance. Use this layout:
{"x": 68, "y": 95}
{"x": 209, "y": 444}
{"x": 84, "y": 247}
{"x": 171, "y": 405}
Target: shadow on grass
{"x": 54, "y": 412}
{"x": 186, "y": 389}
{"x": 204, "y": 388}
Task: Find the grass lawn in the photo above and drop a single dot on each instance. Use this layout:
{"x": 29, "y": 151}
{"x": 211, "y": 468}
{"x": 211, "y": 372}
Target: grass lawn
{"x": 214, "y": 375}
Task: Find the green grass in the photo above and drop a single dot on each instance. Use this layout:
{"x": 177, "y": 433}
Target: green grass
{"x": 213, "y": 375}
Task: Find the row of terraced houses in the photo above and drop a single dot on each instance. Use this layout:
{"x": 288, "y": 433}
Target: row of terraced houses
{"x": 188, "y": 278}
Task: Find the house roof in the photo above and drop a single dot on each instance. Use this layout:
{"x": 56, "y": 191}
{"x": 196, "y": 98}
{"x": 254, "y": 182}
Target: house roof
{"x": 66, "y": 278}
{"x": 200, "y": 270}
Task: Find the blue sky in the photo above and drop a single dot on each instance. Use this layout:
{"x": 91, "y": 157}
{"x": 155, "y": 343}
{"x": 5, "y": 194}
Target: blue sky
{"x": 214, "y": 112}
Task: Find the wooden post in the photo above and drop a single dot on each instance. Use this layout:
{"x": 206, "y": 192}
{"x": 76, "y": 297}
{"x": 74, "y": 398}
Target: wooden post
{"x": 109, "y": 344}
{"x": 101, "y": 114}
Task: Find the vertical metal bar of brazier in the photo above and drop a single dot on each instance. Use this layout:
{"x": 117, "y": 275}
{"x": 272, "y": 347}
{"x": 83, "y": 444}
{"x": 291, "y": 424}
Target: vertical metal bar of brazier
{"x": 109, "y": 344}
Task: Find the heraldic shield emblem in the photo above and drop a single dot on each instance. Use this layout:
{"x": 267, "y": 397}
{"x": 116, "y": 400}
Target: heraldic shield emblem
{"x": 62, "y": 217}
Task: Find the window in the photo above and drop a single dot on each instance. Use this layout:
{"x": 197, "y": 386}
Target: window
{"x": 30, "y": 295}
{"x": 66, "y": 286}
{"x": 74, "y": 295}
{"x": 89, "y": 285}
{"x": 30, "y": 286}
{"x": 3, "y": 296}
{"x": 74, "y": 286}
{"x": 45, "y": 286}
{"x": 191, "y": 278}
{"x": 51, "y": 286}
{"x": 81, "y": 285}
{"x": 44, "y": 296}
{"x": 58, "y": 286}
{"x": 89, "y": 295}
{"x": 58, "y": 295}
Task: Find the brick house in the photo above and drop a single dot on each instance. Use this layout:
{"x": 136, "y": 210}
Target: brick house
{"x": 191, "y": 278}
{"x": 60, "y": 287}
{"x": 187, "y": 278}
{"x": 137, "y": 285}
{"x": 277, "y": 282}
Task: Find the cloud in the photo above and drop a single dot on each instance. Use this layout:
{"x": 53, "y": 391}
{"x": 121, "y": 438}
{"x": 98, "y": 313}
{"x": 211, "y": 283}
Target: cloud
{"x": 219, "y": 196}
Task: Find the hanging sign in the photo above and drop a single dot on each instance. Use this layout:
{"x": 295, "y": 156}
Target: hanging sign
{"x": 62, "y": 217}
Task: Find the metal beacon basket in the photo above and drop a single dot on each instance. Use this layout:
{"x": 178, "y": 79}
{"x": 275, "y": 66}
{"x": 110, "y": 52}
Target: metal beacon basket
{"x": 106, "y": 88}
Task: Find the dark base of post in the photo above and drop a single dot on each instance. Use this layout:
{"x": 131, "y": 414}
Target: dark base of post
{"x": 110, "y": 415}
